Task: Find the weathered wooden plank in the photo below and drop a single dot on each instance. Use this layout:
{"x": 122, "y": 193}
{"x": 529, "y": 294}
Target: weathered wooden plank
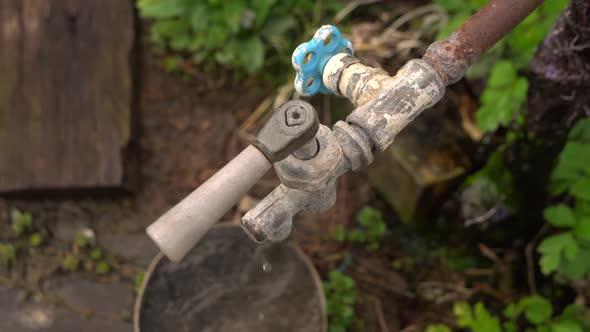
{"x": 65, "y": 92}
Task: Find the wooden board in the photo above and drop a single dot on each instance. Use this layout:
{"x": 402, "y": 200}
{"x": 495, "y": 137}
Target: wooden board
{"x": 65, "y": 93}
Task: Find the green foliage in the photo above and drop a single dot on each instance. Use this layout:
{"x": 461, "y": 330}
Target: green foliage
{"x": 84, "y": 240}
{"x": 458, "y": 259}
{"x": 338, "y": 233}
{"x": 371, "y": 230}
{"x": 96, "y": 254}
{"x": 572, "y": 172}
{"x": 341, "y": 296}
{"x": 71, "y": 263}
{"x": 7, "y": 255}
{"x": 36, "y": 240}
{"x": 568, "y": 252}
{"x": 506, "y": 91}
{"x": 138, "y": 281}
{"x": 536, "y": 310}
{"x": 242, "y": 34}
{"x": 503, "y": 98}
{"x": 437, "y": 328}
{"x": 476, "y": 319}
{"x": 102, "y": 268}
{"x": 22, "y": 222}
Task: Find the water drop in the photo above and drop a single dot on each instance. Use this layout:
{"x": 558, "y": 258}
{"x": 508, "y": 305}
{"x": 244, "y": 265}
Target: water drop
{"x": 266, "y": 267}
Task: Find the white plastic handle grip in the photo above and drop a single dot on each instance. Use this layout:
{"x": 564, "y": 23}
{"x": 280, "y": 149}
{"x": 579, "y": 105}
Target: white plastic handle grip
{"x": 178, "y": 230}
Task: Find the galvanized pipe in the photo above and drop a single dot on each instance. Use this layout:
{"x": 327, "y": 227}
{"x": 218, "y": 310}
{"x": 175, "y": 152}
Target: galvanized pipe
{"x": 451, "y": 57}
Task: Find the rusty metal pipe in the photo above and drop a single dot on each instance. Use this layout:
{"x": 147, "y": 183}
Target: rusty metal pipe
{"x": 492, "y": 22}
{"x": 451, "y": 57}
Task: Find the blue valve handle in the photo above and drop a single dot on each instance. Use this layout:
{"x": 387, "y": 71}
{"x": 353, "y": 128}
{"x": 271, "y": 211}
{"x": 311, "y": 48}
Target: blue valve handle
{"x": 310, "y": 58}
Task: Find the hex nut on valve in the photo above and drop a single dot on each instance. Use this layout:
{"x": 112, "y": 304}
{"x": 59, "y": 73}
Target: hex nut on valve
{"x": 295, "y": 116}
{"x": 293, "y": 125}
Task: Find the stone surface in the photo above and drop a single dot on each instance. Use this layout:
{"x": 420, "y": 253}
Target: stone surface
{"x": 116, "y": 298}
{"x": 137, "y": 247}
{"x": 39, "y": 316}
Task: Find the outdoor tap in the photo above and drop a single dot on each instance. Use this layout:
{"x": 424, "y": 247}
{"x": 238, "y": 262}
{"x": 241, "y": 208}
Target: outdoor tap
{"x": 291, "y": 127}
{"x": 384, "y": 106}
{"x": 308, "y": 184}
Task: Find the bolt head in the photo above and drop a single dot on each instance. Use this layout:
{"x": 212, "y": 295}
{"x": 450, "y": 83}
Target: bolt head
{"x": 295, "y": 116}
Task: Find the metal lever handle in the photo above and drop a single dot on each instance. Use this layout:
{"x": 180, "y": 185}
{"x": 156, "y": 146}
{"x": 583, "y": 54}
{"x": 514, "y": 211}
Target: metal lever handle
{"x": 179, "y": 229}
{"x": 292, "y": 125}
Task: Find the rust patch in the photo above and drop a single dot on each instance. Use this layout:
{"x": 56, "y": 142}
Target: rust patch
{"x": 451, "y": 57}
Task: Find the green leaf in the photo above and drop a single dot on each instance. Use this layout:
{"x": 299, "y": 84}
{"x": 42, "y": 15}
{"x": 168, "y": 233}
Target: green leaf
{"x": 582, "y": 229}
{"x": 262, "y": 9}
{"x": 581, "y": 189}
{"x": 566, "y": 326}
{"x": 139, "y": 277}
{"x": 552, "y": 248}
{"x": 537, "y": 309}
{"x": 252, "y": 54}
{"x": 454, "y": 23}
{"x": 581, "y": 131}
{"x": 160, "y": 9}
{"x": 451, "y": 5}
{"x": 437, "y": 328}
{"x": 199, "y": 18}
{"x": 464, "y": 314}
{"x": 103, "y": 268}
{"x": 578, "y": 267}
{"x": 484, "y": 321}
{"x": 560, "y": 216}
{"x": 22, "y": 222}
{"x": 503, "y": 75}
{"x": 338, "y": 233}
{"x": 520, "y": 89}
{"x": 7, "y": 255}
{"x": 96, "y": 254}
{"x": 71, "y": 263}
{"x": 512, "y": 311}
{"x": 35, "y": 240}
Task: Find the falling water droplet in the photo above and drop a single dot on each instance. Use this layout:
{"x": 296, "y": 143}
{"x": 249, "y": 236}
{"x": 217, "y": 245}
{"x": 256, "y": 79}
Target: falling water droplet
{"x": 261, "y": 316}
{"x": 266, "y": 267}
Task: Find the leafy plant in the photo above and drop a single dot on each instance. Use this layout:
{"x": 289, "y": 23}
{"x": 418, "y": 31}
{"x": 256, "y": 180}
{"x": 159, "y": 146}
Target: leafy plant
{"x": 84, "y": 239}
{"x": 506, "y": 91}
{"x": 371, "y": 229}
{"x": 503, "y": 98}
{"x": 437, "y": 328}
{"x": 71, "y": 263}
{"x": 477, "y": 319}
{"x": 7, "y": 254}
{"x": 568, "y": 252}
{"x": 102, "y": 268}
{"x": 341, "y": 296}
{"x": 536, "y": 311}
{"x": 22, "y": 222}
{"x": 96, "y": 254}
{"x": 36, "y": 240}
{"x": 138, "y": 281}
{"x": 242, "y": 34}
